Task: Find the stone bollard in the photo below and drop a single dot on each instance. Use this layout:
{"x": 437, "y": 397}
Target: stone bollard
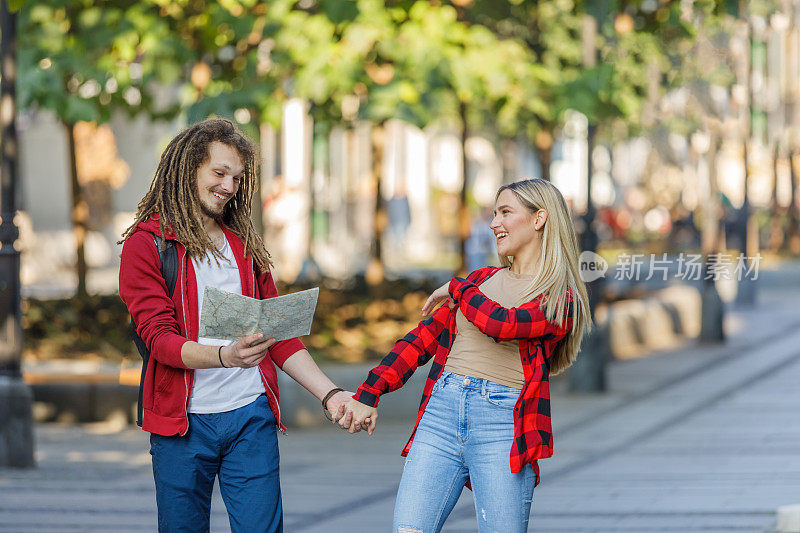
{"x": 686, "y": 300}
{"x": 663, "y": 321}
{"x": 789, "y": 518}
{"x": 16, "y": 425}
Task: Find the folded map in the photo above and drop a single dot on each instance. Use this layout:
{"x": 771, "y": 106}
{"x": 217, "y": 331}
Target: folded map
{"x": 231, "y": 316}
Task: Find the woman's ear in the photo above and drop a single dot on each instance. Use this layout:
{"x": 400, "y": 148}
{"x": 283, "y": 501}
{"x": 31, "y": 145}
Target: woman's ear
{"x": 539, "y": 219}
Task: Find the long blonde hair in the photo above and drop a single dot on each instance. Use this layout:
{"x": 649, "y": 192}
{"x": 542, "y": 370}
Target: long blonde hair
{"x": 559, "y": 271}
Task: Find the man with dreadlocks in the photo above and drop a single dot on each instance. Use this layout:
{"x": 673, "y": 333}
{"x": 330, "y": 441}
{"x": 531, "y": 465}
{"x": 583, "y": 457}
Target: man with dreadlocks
{"x": 211, "y": 406}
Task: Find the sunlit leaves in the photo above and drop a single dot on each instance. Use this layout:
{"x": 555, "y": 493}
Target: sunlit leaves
{"x": 83, "y": 59}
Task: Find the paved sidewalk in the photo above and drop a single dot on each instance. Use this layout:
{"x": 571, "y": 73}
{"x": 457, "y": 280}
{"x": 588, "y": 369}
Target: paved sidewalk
{"x": 700, "y": 439}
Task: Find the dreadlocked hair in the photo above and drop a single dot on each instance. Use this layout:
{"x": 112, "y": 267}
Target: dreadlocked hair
{"x": 173, "y": 195}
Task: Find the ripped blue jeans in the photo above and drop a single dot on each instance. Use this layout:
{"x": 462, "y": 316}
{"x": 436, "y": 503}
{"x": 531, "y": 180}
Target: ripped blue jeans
{"x": 465, "y": 433}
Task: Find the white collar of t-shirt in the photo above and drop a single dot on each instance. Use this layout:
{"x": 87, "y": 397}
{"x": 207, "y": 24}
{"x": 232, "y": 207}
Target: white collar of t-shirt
{"x": 214, "y": 272}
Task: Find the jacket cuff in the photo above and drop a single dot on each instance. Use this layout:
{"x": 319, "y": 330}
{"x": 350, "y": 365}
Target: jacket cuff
{"x": 366, "y": 397}
{"x": 283, "y": 350}
{"x": 168, "y": 350}
{"x": 456, "y": 287}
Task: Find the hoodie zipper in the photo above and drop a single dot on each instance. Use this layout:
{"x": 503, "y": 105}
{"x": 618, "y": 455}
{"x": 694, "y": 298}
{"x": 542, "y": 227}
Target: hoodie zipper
{"x": 266, "y": 385}
{"x": 185, "y": 371}
{"x": 263, "y": 377}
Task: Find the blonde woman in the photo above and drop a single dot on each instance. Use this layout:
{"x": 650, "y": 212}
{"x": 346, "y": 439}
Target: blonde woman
{"x": 484, "y": 419}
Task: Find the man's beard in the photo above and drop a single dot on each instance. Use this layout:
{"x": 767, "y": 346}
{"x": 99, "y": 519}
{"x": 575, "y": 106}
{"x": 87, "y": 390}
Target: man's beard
{"x": 207, "y": 211}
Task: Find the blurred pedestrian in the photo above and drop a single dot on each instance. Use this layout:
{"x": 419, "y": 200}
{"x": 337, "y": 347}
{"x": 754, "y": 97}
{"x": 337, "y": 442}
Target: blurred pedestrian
{"x": 211, "y": 406}
{"x": 484, "y": 418}
{"x": 480, "y": 242}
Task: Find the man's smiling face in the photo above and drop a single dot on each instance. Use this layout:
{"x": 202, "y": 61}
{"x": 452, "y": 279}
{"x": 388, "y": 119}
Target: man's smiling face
{"x": 218, "y": 178}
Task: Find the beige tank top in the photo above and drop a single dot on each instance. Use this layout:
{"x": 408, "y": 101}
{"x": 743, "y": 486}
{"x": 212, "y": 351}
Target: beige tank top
{"x": 475, "y": 353}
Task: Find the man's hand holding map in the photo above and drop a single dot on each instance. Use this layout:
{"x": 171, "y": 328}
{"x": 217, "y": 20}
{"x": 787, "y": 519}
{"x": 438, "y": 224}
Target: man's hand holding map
{"x": 231, "y": 316}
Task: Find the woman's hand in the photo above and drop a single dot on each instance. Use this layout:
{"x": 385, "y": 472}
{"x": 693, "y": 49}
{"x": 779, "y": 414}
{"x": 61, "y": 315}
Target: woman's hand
{"x": 356, "y": 416}
{"x": 243, "y": 355}
{"x": 438, "y": 296}
{"x": 337, "y": 401}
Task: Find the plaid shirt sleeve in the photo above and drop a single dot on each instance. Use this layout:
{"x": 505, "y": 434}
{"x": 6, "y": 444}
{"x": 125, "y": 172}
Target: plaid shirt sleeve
{"x": 501, "y": 324}
{"x": 410, "y": 352}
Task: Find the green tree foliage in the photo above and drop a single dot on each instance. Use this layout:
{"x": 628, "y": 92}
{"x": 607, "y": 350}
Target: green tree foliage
{"x": 83, "y": 60}
{"x": 232, "y": 64}
{"x": 609, "y": 59}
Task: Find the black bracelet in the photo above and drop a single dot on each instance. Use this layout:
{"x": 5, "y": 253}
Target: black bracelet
{"x": 219, "y": 354}
{"x": 328, "y": 397}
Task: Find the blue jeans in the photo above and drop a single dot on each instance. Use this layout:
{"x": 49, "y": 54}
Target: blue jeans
{"x": 240, "y": 447}
{"x": 465, "y": 433}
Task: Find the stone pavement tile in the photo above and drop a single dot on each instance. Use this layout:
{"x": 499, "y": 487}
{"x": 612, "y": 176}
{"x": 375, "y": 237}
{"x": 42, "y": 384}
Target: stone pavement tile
{"x": 700, "y": 521}
{"x": 572, "y": 523}
{"x": 86, "y": 480}
{"x": 34, "y": 524}
{"x": 83, "y": 481}
{"x": 622, "y": 521}
{"x": 328, "y": 474}
{"x": 724, "y": 465}
{"x": 366, "y": 472}
{"x": 377, "y": 518}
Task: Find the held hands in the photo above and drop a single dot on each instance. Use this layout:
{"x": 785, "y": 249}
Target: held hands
{"x": 438, "y": 296}
{"x": 337, "y": 401}
{"x": 242, "y": 354}
{"x": 356, "y": 416}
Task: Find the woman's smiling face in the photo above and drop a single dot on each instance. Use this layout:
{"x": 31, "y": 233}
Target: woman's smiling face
{"x": 513, "y": 225}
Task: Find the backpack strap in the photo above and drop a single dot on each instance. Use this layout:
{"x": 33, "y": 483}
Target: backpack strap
{"x": 169, "y": 262}
{"x": 168, "y": 257}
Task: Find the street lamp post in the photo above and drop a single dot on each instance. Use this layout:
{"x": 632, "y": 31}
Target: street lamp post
{"x": 588, "y": 373}
{"x": 746, "y": 290}
{"x": 712, "y": 309}
{"x": 16, "y": 427}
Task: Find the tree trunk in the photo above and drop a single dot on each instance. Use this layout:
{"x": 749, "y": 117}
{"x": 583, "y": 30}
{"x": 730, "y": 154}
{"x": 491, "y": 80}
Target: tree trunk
{"x": 546, "y": 158}
{"x": 746, "y": 224}
{"x": 80, "y": 214}
{"x": 777, "y": 236}
{"x": 464, "y": 224}
{"x": 257, "y": 202}
{"x": 375, "y": 271}
{"x": 793, "y": 232}
{"x": 589, "y": 239}
{"x": 710, "y": 231}
{"x": 712, "y": 310}
{"x": 267, "y": 143}
{"x": 588, "y": 374}
{"x": 776, "y": 156}
{"x": 320, "y": 177}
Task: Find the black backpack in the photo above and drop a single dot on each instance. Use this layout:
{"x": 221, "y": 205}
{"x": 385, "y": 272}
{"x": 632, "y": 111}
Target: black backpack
{"x": 169, "y": 270}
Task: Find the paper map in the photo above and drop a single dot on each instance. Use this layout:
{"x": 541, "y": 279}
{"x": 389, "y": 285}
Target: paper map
{"x": 231, "y": 316}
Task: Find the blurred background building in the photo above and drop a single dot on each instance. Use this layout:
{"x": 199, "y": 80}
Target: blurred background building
{"x": 654, "y": 113}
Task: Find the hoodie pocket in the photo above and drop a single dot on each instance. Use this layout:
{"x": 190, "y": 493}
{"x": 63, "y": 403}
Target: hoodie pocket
{"x": 164, "y": 376}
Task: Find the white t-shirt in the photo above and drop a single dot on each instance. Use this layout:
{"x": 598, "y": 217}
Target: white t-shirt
{"x": 217, "y": 390}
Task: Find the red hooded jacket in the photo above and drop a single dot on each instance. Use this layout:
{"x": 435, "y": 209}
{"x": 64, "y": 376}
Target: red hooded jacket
{"x": 165, "y": 324}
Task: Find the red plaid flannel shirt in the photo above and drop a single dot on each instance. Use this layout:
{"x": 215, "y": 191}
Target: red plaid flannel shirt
{"x": 433, "y": 337}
